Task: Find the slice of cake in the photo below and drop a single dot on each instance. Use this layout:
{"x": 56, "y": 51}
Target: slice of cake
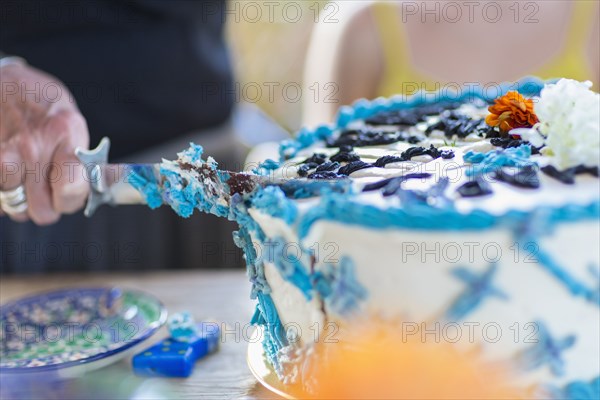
{"x": 470, "y": 218}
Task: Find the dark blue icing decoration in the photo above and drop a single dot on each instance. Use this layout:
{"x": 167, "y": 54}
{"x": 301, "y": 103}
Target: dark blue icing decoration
{"x": 353, "y": 167}
{"x": 525, "y": 177}
{"x": 304, "y": 168}
{"x": 546, "y": 352}
{"x": 582, "y": 169}
{"x": 474, "y": 188}
{"x": 479, "y": 288}
{"x": 432, "y": 151}
{"x": 411, "y": 116}
{"x": 364, "y": 138}
{"x": 392, "y": 185}
{"x": 567, "y": 176}
{"x": 326, "y": 175}
{"x": 452, "y": 123}
{"x": 345, "y": 156}
{"x": 328, "y": 166}
{"x": 339, "y": 287}
{"x": 383, "y": 161}
{"x": 509, "y": 142}
{"x": 316, "y": 158}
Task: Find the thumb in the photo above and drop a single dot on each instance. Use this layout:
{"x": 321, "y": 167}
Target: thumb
{"x": 69, "y": 184}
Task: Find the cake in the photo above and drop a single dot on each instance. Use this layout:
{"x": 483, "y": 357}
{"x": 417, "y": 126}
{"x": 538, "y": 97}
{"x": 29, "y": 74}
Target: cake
{"x": 440, "y": 214}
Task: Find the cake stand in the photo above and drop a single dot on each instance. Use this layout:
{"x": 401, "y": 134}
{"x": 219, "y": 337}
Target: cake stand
{"x": 261, "y": 369}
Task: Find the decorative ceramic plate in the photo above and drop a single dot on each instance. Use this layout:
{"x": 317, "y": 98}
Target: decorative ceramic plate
{"x": 69, "y": 332}
{"x": 262, "y": 370}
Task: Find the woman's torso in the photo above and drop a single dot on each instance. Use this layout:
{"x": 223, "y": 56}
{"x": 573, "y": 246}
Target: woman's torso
{"x": 548, "y": 41}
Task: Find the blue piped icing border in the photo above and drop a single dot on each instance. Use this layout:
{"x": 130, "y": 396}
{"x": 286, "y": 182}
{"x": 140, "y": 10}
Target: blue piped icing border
{"x": 341, "y": 208}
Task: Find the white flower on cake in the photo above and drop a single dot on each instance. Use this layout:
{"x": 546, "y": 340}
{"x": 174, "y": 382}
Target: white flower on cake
{"x": 569, "y": 127}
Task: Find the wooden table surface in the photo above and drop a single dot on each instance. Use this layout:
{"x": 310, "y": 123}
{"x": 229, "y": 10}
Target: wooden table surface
{"x": 223, "y": 296}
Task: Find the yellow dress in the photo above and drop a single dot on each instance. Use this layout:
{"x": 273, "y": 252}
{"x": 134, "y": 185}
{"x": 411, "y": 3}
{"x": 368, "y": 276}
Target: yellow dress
{"x": 399, "y": 73}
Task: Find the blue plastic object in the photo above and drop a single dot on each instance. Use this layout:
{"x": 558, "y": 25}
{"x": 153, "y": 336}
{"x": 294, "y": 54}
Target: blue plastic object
{"x": 166, "y": 358}
{"x": 174, "y": 358}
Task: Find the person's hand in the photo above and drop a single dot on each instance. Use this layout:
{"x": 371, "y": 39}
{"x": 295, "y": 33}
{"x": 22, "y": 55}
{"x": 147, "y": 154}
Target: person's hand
{"x": 40, "y": 127}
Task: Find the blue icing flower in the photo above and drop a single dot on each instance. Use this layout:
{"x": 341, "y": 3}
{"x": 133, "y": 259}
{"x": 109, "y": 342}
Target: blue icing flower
{"x": 577, "y": 390}
{"x": 306, "y": 137}
{"x": 582, "y": 390}
{"x": 547, "y": 351}
{"x": 275, "y": 337}
{"x": 182, "y": 327}
{"x": 339, "y": 287}
{"x": 345, "y": 116}
{"x": 479, "y": 287}
{"x": 323, "y": 132}
{"x": 285, "y": 256}
{"x": 288, "y": 148}
{"x": 550, "y": 264}
{"x": 266, "y": 167}
{"x": 496, "y": 159}
{"x": 180, "y": 195}
{"x": 143, "y": 179}
{"x": 254, "y": 267}
{"x": 272, "y": 201}
{"x": 194, "y": 152}
{"x": 594, "y": 294}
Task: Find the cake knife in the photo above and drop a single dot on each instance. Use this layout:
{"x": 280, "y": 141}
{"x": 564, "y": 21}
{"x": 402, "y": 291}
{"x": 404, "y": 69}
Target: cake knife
{"x": 111, "y": 184}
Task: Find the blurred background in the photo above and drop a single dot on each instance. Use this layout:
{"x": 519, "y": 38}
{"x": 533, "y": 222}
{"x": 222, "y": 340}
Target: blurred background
{"x": 265, "y": 51}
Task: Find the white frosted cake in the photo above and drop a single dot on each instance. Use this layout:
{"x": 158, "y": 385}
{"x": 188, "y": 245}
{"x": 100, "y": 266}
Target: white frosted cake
{"x": 440, "y": 214}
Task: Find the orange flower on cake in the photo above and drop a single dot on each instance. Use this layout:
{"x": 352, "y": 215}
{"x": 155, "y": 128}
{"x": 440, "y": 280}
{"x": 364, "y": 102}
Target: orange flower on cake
{"x": 511, "y": 111}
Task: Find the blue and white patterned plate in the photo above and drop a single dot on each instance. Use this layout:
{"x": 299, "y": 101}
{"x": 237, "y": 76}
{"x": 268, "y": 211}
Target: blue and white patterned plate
{"x": 72, "y": 331}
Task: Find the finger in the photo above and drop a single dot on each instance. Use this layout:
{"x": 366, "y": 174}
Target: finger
{"x": 70, "y": 189}
{"x": 36, "y": 156}
{"x": 11, "y": 173}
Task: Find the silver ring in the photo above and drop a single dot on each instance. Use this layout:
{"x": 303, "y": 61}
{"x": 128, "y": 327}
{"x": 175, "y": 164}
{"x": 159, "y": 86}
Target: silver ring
{"x": 13, "y": 201}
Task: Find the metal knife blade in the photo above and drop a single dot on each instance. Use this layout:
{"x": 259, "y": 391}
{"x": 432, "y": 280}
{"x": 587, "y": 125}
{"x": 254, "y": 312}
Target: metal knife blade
{"x": 111, "y": 183}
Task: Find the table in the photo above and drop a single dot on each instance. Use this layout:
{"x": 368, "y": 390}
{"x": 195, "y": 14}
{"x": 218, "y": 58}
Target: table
{"x": 222, "y": 295}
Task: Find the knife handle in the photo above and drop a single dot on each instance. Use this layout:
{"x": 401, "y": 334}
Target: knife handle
{"x": 101, "y": 191}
